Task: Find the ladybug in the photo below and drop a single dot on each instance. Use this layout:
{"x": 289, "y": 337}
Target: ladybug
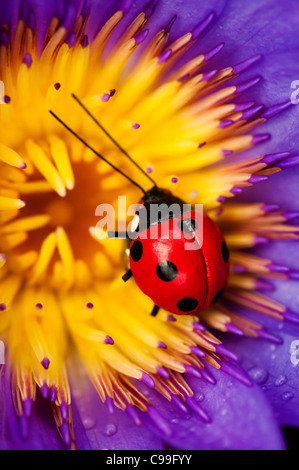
{"x": 184, "y": 267}
{"x": 178, "y": 279}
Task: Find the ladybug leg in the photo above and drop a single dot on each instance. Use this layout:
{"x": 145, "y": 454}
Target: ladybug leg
{"x": 155, "y": 310}
{"x": 127, "y": 275}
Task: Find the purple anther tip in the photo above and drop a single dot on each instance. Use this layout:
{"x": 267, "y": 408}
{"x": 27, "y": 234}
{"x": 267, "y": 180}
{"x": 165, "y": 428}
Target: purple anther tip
{"x": 150, "y": 8}
{"x": 27, "y": 60}
{"x": 147, "y": 380}
{"x": 110, "y": 405}
{"x": 52, "y": 393}
{"x": 64, "y": 410}
{"x": 149, "y": 169}
{"x": 57, "y": 86}
{"x": 258, "y": 138}
{"x": 243, "y": 106}
{"x": 135, "y": 125}
{"x": 208, "y": 75}
{"x": 290, "y": 215}
{"x": 270, "y": 207}
{"x": 221, "y": 349}
{"x": 192, "y": 371}
{"x": 202, "y": 144}
{"x": 164, "y": 56}
{"x": 171, "y": 318}
{"x": 210, "y": 54}
{"x": 170, "y": 24}
{"x": 226, "y": 153}
{"x": 27, "y": 407}
{"x": 178, "y": 402}
{"x": 264, "y": 285}
{"x": 133, "y": 414}
{"x": 39, "y": 306}
{"x": 254, "y": 179}
{"x": 198, "y": 409}
{"x": 277, "y": 108}
{"x": 198, "y": 326}
{"x": 269, "y": 337}
{"x": 231, "y": 328}
{"x": 260, "y": 240}
{"x": 161, "y": 345}
{"x": 245, "y": 64}
{"x": 71, "y": 40}
{"x": 2, "y": 307}
{"x": 225, "y": 123}
{"x": 291, "y": 316}
{"x": 89, "y": 305}
{"x": 289, "y": 162}
{"x": 277, "y": 268}
{"x": 85, "y": 41}
{"x": 45, "y": 363}
{"x": 163, "y": 372}
{"x": 200, "y": 27}
{"x": 271, "y": 158}
{"x": 197, "y": 351}
{"x": 237, "y": 373}
{"x": 249, "y": 113}
{"x": 105, "y": 97}
{"x": 141, "y": 36}
{"x": 6, "y": 99}
{"x": 236, "y": 190}
{"x": 108, "y": 340}
{"x": 174, "y": 179}
{"x": 65, "y": 432}
{"x": 248, "y": 84}
{"x": 44, "y": 389}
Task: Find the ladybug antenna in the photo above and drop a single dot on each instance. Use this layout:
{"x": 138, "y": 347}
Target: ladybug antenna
{"x": 112, "y": 139}
{"x": 95, "y": 152}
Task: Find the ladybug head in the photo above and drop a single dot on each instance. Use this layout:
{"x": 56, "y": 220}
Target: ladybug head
{"x": 158, "y": 205}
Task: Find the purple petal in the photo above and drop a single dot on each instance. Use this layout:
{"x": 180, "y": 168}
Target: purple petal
{"x": 275, "y": 367}
{"x": 96, "y": 428}
{"x": 228, "y": 415}
{"x": 41, "y": 431}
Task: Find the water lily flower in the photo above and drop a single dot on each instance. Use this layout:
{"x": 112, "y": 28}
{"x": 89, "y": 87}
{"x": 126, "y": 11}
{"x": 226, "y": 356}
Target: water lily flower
{"x": 200, "y": 95}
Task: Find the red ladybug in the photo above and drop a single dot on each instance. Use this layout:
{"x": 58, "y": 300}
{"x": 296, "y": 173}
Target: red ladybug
{"x": 177, "y": 279}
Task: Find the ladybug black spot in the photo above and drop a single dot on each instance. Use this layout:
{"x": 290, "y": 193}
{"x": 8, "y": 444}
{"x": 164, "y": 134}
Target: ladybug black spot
{"x": 136, "y": 251}
{"x": 225, "y": 252}
{"x": 188, "y": 226}
{"x": 187, "y": 304}
{"x": 166, "y": 271}
{"x": 217, "y": 296}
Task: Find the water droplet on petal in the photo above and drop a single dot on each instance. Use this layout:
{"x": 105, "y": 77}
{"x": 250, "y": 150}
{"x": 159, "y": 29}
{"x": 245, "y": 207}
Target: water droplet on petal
{"x": 174, "y": 421}
{"x": 88, "y": 423}
{"x": 110, "y": 429}
{"x": 281, "y": 380}
{"x": 199, "y": 397}
{"x": 258, "y": 374}
{"x": 286, "y": 396}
